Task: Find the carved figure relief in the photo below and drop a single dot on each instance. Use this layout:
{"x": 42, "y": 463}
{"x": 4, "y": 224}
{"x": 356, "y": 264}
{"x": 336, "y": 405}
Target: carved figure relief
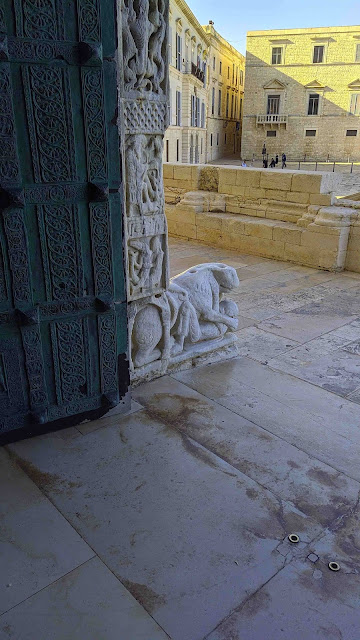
{"x": 144, "y": 175}
{"x": 198, "y": 312}
{"x": 145, "y": 264}
{"x": 144, "y": 46}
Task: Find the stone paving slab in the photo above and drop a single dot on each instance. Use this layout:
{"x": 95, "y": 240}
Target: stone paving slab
{"x": 89, "y": 603}
{"x": 338, "y": 371}
{"x": 336, "y": 414}
{"x": 261, "y": 345}
{"x": 302, "y": 602}
{"x": 314, "y": 488}
{"x": 330, "y": 437}
{"x": 303, "y": 327}
{"x": 37, "y": 545}
{"x": 187, "y": 534}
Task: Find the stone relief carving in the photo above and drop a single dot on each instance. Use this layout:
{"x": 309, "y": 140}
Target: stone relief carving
{"x": 145, "y": 264}
{"x": 196, "y": 313}
{"x": 144, "y": 175}
{"x": 169, "y": 323}
{"x": 144, "y": 45}
{"x": 149, "y": 117}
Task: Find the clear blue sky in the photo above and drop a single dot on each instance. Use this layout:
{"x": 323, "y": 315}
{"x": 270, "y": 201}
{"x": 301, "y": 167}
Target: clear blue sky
{"x": 233, "y": 18}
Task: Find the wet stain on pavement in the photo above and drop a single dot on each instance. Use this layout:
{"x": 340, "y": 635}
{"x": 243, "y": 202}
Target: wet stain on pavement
{"x": 148, "y": 598}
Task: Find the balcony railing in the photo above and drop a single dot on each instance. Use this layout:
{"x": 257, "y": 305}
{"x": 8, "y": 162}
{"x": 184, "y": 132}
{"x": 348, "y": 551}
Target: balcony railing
{"x": 273, "y": 118}
{"x": 195, "y": 71}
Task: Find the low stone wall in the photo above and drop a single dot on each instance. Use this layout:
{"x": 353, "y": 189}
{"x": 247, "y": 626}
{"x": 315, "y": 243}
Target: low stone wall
{"x": 287, "y": 215}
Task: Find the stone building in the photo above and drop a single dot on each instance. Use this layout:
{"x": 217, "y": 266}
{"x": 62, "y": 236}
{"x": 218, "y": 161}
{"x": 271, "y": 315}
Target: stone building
{"x": 302, "y": 93}
{"x": 225, "y": 96}
{"x": 185, "y": 139}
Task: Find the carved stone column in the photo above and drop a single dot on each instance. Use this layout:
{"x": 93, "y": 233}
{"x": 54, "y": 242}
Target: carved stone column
{"x": 144, "y": 102}
{"x": 170, "y": 323}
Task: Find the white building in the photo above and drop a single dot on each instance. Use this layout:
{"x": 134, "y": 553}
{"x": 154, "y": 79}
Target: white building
{"x": 185, "y": 138}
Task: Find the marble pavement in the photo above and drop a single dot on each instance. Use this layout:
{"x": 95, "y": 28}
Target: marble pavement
{"x": 172, "y": 522}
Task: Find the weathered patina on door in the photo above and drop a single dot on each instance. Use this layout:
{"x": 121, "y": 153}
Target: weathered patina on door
{"x": 63, "y": 335}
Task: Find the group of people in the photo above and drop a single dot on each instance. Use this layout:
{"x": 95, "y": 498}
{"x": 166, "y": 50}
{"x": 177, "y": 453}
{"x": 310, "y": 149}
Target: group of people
{"x": 274, "y": 161}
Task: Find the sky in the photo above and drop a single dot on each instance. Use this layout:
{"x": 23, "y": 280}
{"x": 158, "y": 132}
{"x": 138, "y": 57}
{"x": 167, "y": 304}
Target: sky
{"x": 233, "y": 18}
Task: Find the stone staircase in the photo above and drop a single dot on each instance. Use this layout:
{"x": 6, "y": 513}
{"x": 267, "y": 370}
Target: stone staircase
{"x": 284, "y": 215}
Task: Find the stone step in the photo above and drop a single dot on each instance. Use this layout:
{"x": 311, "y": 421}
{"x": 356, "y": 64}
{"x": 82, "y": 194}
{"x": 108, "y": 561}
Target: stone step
{"x": 315, "y": 245}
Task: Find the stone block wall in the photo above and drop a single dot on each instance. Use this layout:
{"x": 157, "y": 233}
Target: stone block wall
{"x": 286, "y": 215}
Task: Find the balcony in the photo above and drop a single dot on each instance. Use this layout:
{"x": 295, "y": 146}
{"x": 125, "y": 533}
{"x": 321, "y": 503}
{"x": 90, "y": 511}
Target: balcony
{"x": 195, "y": 71}
{"x": 273, "y": 118}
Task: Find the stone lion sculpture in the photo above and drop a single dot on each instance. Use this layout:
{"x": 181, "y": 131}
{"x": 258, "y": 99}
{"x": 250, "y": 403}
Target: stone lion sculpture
{"x": 196, "y": 308}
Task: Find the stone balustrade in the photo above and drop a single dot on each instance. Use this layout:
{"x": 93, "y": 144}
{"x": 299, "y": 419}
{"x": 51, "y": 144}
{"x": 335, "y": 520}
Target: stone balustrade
{"x": 286, "y": 215}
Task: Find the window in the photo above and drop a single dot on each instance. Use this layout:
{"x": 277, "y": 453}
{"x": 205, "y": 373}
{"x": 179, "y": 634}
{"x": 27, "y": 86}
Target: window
{"x": 219, "y": 103}
{"x": 351, "y": 133}
{"x": 227, "y": 105}
{"x": 235, "y": 114}
{"x": 276, "y": 55}
{"x": 313, "y": 108}
{"x": 225, "y": 138}
{"x": 233, "y": 74}
{"x": 232, "y": 106}
{"x": 318, "y": 55}
{"x": 192, "y": 119}
{"x": 197, "y": 112}
{"x": 170, "y": 45}
{"x": 236, "y": 78}
{"x": 167, "y": 150}
{"x": 271, "y": 134}
{"x": 228, "y": 73}
{"x": 214, "y": 62}
{"x": 217, "y": 139}
{"x": 211, "y": 137}
{"x": 241, "y": 77}
{"x": 213, "y": 101}
{"x": 220, "y": 67}
{"x": 177, "y": 150}
{"x": 310, "y": 133}
{"x": 191, "y": 148}
{"x": 240, "y": 114}
{"x": 178, "y": 52}
{"x": 355, "y": 104}
{"x": 204, "y": 72}
{"x": 273, "y": 105}
{"x": 201, "y": 145}
{"x": 203, "y": 114}
{"x": 357, "y": 53}
{"x": 178, "y": 108}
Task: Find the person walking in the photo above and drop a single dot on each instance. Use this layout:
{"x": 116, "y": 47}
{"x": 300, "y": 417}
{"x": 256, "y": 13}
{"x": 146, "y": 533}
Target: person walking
{"x": 276, "y": 159}
{"x": 283, "y": 161}
{"x": 272, "y": 163}
{"x": 265, "y": 163}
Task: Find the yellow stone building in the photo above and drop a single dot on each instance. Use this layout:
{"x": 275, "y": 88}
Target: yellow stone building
{"x": 226, "y": 67}
{"x": 302, "y": 94}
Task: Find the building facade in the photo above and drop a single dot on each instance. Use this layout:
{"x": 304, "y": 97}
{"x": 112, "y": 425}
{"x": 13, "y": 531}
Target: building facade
{"x": 185, "y": 139}
{"x": 302, "y": 94}
{"x": 226, "y": 67}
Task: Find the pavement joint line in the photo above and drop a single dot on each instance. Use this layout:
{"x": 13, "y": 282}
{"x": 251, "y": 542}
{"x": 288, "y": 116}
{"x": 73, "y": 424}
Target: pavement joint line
{"x": 86, "y": 542}
{"x": 268, "y": 430}
{"x": 277, "y": 497}
{"x": 50, "y": 583}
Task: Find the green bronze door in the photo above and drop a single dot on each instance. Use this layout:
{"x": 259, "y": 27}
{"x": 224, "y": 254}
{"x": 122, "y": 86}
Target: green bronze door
{"x": 63, "y": 326}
